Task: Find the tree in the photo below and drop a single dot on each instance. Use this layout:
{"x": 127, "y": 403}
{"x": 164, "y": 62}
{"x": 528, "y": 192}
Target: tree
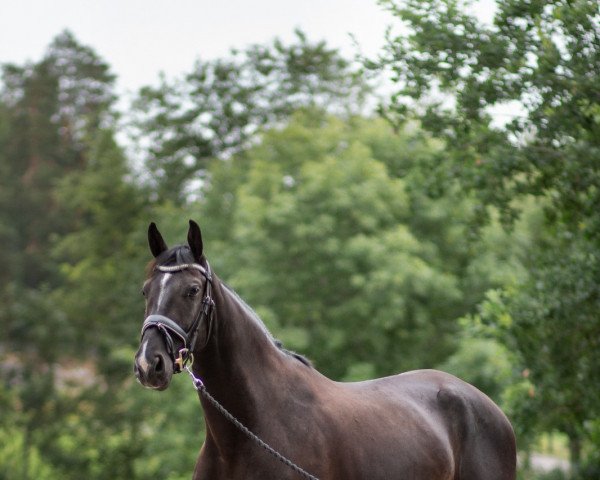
{"x": 320, "y": 229}
{"x": 101, "y": 255}
{"x": 219, "y": 106}
{"x": 50, "y": 112}
{"x": 48, "y": 109}
{"x": 559, "y": 358}
{"x": 543, "y": 60}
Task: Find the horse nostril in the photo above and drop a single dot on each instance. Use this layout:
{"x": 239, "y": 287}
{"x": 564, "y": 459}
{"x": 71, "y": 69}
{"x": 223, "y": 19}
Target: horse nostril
{"x": 159, "y": 365}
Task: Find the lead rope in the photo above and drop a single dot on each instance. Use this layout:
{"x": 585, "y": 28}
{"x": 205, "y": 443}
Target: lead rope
{"x": 199, "y": 385}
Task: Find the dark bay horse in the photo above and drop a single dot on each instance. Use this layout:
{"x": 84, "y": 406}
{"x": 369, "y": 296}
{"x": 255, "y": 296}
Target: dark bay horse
{"x": 421, "y": 425}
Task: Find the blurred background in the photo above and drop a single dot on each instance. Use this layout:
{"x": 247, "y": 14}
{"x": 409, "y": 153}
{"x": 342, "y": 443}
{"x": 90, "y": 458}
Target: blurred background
{"x": 391, "y": 185}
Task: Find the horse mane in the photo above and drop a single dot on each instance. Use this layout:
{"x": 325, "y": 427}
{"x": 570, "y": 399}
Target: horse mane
{"x": 183, "y": 254}
{"x": 291, "y": 353}
{"x": 276, "y": 342}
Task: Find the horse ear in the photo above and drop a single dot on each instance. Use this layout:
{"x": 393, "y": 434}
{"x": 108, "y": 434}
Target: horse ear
{"x": 155, "y": 240}
{"x": 195, "y": 240}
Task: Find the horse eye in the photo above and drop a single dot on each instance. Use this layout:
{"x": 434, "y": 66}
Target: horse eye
{"x": 193, "y": 291}
{"x": 143, "y": 292}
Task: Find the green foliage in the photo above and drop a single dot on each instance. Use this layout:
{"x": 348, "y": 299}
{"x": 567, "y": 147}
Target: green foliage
{"x": 320, "y": 230}
{"x": 545, "y": 318}
{"x": 71, "y": 423}
{"x": 543, "y": 55}
{"x": 359, "y": 245}
{"x": 542, "y": 61}
{"x": 20, "y": 461}
{"x": 48, "y": 110}
{"x": 64, "y": 202}
{"x": 100, "y": 257}
{"x": 221, "y": 104}
{"x": 590, "y": 467}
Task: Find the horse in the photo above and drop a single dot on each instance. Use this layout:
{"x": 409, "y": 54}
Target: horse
{"x": 417, "y": 425}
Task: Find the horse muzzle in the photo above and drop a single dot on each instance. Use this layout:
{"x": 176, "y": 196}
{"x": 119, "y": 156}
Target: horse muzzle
{"x": 153, "y": 366}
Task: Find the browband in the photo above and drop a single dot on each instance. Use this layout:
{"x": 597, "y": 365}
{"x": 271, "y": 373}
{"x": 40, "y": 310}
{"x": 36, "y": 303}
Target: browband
{"x": 184, "y": 266}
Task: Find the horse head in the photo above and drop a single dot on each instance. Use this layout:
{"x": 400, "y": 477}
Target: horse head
{"x": 178, "y": 315}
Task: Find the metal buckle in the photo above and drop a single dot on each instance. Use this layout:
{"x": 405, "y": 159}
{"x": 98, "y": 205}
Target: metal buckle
{"x": 207, "y": 304}
{"x": 181, "y": 361}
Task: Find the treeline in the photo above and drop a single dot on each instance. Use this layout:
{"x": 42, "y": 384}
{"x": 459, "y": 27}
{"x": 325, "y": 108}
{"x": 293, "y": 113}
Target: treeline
{"x": 426, "y": 236}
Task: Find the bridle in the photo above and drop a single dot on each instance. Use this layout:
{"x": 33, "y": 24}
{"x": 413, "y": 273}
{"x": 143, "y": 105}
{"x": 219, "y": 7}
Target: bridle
{"x": 168, "y": 327}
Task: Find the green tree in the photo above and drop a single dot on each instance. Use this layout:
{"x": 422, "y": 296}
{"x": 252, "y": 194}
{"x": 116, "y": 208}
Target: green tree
{"x": 529, "y": 318}
{"x": 50, "y": 114}
{"x": 48, "y": 110}
{"x": 49, "y": 107}
{"x": 542, "y": 60}
{"x": 102, "y": 254}
{"x": 221, "y": 104}
{"x": 321, "y": 245}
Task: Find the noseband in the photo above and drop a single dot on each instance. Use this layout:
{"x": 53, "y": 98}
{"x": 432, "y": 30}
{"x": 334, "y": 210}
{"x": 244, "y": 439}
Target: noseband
{"x": 168, "y": 327}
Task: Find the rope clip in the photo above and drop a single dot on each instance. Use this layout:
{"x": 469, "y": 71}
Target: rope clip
{"x": 182, "y": 360}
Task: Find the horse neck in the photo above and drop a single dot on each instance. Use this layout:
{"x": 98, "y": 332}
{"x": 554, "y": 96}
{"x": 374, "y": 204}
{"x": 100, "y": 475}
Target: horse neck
{"x": 240, "y": 365}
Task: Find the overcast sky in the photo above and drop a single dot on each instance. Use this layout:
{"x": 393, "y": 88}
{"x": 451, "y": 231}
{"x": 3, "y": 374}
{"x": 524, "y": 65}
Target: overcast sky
{"x": 140, "y": 38}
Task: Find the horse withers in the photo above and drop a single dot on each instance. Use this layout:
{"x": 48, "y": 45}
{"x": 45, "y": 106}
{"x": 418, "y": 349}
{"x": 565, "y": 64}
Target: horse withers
{"x": 420, "y": 425}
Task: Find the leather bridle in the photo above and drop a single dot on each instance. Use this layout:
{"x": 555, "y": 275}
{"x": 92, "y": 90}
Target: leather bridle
{"x": 168, "y": 327}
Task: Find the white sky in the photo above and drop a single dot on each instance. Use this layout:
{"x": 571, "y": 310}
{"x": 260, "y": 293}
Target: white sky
{"x": 140, "y": 38}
